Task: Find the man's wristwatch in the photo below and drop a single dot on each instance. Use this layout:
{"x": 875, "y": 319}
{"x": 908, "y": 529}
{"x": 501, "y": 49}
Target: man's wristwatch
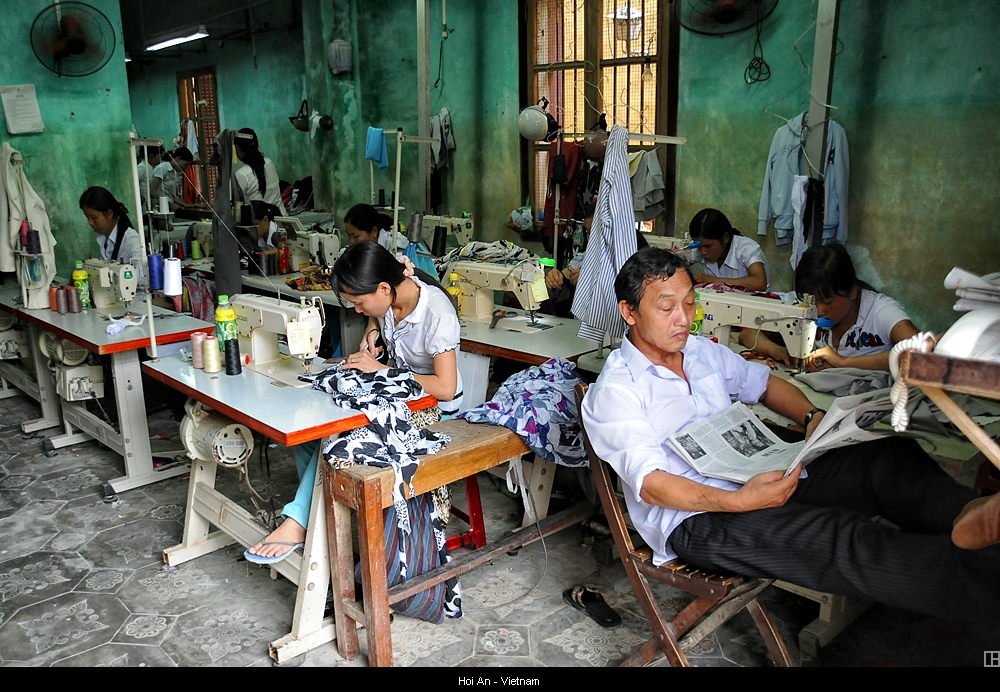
{"x": 810, "y": 416}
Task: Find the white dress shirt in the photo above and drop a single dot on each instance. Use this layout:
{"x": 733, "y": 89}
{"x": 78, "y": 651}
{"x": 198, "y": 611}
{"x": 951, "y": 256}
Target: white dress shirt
{"x": 635, "y": 406}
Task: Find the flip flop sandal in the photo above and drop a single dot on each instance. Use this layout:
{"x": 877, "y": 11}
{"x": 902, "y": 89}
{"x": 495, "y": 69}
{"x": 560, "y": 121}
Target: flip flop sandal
{"x": 261, "y": 560}
{"x": 590, "y": 601}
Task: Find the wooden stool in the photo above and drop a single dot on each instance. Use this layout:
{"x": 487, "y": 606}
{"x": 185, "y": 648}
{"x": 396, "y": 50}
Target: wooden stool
{"x": 367, "y": 491}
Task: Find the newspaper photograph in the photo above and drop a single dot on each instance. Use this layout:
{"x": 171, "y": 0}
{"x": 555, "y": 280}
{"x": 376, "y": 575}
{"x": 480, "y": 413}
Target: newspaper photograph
{"x": 736, "y": 445}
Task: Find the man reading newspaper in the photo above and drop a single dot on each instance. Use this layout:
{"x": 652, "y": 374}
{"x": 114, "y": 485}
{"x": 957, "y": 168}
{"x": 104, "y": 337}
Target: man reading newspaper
{"x": 812, "y": 529}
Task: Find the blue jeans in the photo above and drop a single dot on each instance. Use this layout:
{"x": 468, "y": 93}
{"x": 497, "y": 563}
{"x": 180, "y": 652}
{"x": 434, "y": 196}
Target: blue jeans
{"x": 306, "y": 461}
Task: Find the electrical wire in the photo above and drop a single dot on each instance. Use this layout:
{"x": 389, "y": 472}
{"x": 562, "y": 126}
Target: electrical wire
{"x": 757, "y": 70}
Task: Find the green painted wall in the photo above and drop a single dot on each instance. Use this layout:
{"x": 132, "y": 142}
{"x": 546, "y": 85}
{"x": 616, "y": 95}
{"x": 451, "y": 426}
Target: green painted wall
{"x": 916, "y": 87}
{"x": 479, "y": 90}
{"x": 261, "y": 97}
{"x": 86, "y": 129}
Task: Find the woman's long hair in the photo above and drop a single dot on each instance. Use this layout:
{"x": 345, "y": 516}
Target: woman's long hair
{"x": 252, "y": 156}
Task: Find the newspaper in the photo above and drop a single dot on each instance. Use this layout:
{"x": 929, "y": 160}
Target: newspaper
{"x": 735, "y": 445}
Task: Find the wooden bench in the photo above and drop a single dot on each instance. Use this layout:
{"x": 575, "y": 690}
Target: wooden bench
{"x": 368, "y": 491}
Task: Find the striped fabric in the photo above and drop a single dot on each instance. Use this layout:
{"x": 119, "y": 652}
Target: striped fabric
{"x": 612, "y": 241}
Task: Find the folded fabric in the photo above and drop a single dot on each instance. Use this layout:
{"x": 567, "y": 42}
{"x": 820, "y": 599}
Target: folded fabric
{"x": 375, "y": 147}
{"x": 539, "y": 404}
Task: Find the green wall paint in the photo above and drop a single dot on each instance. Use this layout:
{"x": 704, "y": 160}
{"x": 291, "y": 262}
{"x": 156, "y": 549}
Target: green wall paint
{"x": 916, "y": 88}
{"x": 86, "y": 129}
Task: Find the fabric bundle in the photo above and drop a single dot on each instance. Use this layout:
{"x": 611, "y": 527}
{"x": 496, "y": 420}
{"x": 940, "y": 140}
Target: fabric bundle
{"x": 539, "y": 404}
{"x": 415, "y": 543}
{"x": 499, "y": 251}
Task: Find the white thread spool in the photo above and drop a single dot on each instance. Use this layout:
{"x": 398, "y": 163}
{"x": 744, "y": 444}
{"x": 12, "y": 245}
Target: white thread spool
{"x": 172, "y": 277}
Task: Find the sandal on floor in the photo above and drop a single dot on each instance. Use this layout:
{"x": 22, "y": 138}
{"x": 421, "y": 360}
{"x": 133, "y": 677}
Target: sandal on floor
{"x": 590, "y": 601}
{"x": 261, "y": 560}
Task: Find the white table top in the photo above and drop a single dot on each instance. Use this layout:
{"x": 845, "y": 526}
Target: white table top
{"x": 288, "y": 415}
{"x": 89, "y": 327}
{"x": 558, "y": 341}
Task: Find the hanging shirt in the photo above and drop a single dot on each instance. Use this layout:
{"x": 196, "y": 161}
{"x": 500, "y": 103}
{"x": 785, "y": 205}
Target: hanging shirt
{"x": 612, "y": 241}
{"x": 785, "y": 160}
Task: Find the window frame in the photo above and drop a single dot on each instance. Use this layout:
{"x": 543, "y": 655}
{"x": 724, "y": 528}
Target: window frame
{"x": 666, "y": 59}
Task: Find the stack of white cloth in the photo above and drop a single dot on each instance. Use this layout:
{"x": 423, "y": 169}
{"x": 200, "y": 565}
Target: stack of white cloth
{"x": 974, "y": 291}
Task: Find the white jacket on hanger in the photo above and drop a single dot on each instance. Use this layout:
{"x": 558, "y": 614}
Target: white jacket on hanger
{"x": 787, "y": 160}
{"x": 19, "y": 201}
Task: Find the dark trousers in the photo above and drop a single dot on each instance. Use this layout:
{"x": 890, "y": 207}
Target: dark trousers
{"x": 823, "y": 538}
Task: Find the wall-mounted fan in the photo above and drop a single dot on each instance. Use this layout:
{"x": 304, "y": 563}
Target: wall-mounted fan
{"x": 721, "y": 17}
{"x": 72, "y": 39}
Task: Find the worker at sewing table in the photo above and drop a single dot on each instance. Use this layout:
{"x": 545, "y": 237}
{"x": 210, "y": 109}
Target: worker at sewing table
{"x": 813, "y": 530}
{"x": 864, "y": 324}
{"x": 116, "y": 238}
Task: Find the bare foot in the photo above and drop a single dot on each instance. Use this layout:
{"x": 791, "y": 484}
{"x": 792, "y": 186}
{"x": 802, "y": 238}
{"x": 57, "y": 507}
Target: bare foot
{"x": 978, "y": 525}
{"x": 288, "y": 533}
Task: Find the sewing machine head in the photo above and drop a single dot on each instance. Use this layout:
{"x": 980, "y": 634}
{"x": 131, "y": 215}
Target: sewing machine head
{"x": 312, "y": 247}
{"x": 479, "y": 280}
{"x": 202, "y": 231}
{"x": 262, "y": 322}
{"x": 111, "y": 282}
{"x": 796, "y": 322}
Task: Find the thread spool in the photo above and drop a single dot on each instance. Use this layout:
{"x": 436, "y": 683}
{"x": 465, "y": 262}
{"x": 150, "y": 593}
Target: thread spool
{"x": 61, "y": 301}
{"x": 186, "y": 244}
{"x": 197, "y": 352}
{"x": 179, "y": 250}
{"x": 272, "y": 263}
{"x": 73, "y": 299}
{"x": 233, "y": 366}
{"x": 164, "y": 205}
{"x": 172, "y": 277}
{"x": 258, "y": 263}
{"x": 196, "y": 250}
{"x": 34, "y": 243}
{"x": 53, "y": 300}
{"x": 210, "y": 354}
{"x": 167, "y": 248}
{"x": 24, "y": 234}
{"x": 440, "y": 244}
{"x": 381, "y": 196}
{"x": 415, "y": 231}
{"x": 156, "y": 272}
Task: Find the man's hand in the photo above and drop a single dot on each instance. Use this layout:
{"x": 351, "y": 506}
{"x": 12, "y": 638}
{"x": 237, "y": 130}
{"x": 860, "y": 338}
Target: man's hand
{"x": 770, "y": 489}
{"x": 823, "y": 358}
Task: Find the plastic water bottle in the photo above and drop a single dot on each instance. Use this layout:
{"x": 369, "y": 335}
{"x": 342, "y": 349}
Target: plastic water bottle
{"x": 225, "y": 322}
{"x": 455, "y": 291}
{"x": 82, "y": 282}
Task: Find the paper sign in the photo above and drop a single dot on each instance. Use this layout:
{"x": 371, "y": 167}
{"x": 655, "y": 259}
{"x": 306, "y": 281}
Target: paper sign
{"x": 20, "y": 108}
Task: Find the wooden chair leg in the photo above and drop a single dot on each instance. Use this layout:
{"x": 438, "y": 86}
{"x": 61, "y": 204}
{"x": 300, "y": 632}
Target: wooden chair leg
{"x": 769, "y": 633}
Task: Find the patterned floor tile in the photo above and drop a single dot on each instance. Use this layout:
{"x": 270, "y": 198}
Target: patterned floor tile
{"x": 28, "y": 530}
{"x": 419, "y": 643}
{"x": 60, "y": 627}
{"x": 230, "y": 632}
{"x": 171, "y": 590}
{"x": 503, "y": 640}
{"x": 116, "y": 655}
{"x": 145, "y": 628}
{"x": 132, "y": 544}
{"x": 38, "y": 577}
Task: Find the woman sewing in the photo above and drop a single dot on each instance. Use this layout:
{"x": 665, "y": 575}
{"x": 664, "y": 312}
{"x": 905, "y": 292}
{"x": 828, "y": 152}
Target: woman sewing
{"x": 729, "y": 258}
{"x": 866, "y": 324}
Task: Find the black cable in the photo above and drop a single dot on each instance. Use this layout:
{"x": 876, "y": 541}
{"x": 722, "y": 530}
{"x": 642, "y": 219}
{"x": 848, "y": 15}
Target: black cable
{"x": 757, "y": 70}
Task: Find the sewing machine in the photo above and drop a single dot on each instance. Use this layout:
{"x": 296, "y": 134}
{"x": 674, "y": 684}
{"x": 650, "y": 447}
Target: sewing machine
{"x": 479, "y": 280}
{"x": 795, "y": 322}
{"x": 312, "y": 247}
{"x": 202, "y": 232}
{"x": 262, "y": 322}
{"x": 111, "y": 282}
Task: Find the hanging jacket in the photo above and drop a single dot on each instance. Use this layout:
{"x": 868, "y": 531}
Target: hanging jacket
{"x": 786, "y": 160}
{"x": 19, "y": 201}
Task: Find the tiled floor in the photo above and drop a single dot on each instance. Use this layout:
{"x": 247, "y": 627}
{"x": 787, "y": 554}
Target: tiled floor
{"x": 82, "y": 583}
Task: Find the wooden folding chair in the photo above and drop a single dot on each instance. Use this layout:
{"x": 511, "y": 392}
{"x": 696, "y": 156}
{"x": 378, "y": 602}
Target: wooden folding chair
{"x": 718, "y": 597}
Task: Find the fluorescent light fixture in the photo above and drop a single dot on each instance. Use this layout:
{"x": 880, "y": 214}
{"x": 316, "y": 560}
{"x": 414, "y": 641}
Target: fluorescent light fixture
{"x": 174, "y": 38}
